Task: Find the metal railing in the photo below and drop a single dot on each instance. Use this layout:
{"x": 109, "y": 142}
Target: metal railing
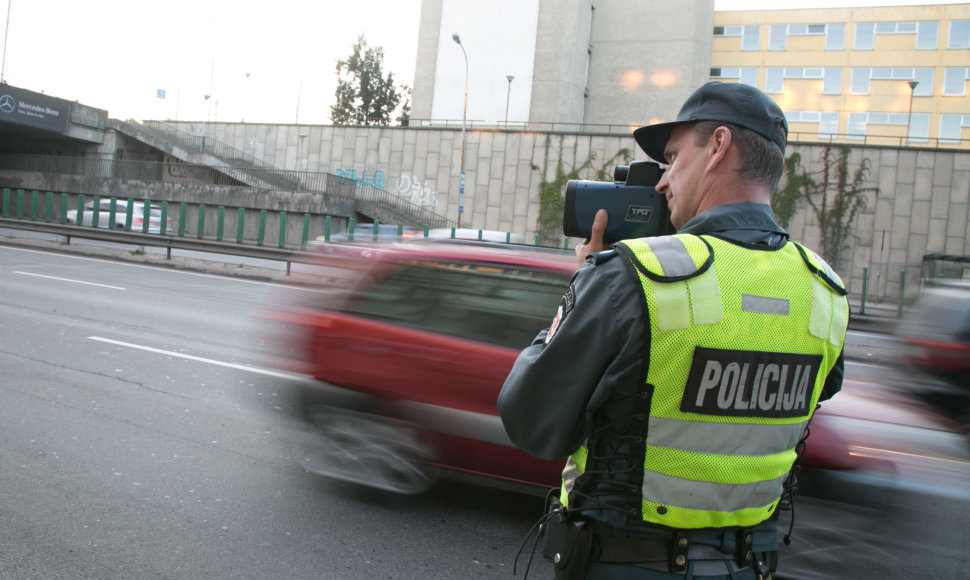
{"x": 109, "y": 168}
{"x": 531, "y": 126}
{"x": 393, "y": 207}
{"x": 182, "y": 225}
{"x": 876, "y": 140}
{"x": 627, "y": 130}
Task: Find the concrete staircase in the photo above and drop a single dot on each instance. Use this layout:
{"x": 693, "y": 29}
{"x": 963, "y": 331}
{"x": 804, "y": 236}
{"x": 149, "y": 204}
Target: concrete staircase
{"x": 375, "y": 203}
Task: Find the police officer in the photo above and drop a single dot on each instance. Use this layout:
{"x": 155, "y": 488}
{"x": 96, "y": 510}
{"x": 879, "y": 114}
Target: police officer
{"x": 680, "y": 372}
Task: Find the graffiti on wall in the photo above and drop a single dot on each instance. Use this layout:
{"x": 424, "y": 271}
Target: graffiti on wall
{"x": 377, "y": 180}
{"x": 408, "y": 186}
{"x": 411, "y": 189}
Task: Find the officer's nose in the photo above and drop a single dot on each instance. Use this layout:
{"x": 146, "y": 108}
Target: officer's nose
{"x": 663, "y": 186}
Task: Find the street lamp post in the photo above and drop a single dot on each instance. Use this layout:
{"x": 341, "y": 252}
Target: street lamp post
{"x": 464, "y": 115}
{"x": 6, "y": 35}
{"x": 299, "y": 147}
{"x": 909, "y": 116}
{"x": 508, "y": 94}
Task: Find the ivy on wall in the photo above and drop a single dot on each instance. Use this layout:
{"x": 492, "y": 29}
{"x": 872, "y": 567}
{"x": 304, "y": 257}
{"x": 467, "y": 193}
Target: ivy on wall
{"x": 551, "y": 200}
{"x": 835, "y": 198}
{"x": 785, "y": 200}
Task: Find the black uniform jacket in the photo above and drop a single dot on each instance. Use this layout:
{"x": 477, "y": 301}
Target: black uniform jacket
{"x": 598, "y": 341}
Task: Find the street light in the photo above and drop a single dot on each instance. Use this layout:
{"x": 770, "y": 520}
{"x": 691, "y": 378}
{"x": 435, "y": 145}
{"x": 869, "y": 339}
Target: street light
{"x": 507, "y": 95}
{"x": 6, "y": 35}
{"x": 299, "y": 147}
{"x": 464, "y": 115}
{"x": 909, "y": 116}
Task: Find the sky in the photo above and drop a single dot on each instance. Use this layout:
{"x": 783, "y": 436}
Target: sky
{"x": 261, "y": 62}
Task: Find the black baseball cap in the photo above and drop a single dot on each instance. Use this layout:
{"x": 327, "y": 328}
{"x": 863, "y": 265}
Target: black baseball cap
{"x": 734, "y": 103}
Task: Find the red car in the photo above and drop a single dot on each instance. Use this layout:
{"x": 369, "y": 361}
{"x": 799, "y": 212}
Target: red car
{"x": 409, "y": 362}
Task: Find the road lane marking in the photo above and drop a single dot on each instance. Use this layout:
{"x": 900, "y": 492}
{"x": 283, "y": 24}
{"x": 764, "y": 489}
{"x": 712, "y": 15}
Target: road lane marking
{"x": 257, "y": 370}
{"x": 70, "y": 280}
{"x": 163, "y": 268}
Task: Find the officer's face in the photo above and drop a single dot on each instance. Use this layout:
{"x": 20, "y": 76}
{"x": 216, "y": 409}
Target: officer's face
{"x": 681, "y": 182}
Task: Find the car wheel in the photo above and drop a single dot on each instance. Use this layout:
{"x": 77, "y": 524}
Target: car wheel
{"x": 370, "y": 450}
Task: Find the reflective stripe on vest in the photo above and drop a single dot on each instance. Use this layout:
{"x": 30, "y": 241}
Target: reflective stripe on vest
{"x": 695, "y": 299}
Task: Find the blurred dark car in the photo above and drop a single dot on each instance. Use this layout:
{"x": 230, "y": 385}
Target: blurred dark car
{"x": 367, "y": 232}
{"x": 936, "y": 333}
{"x": 935, "y": 342}
{"x": 119, "y": 219}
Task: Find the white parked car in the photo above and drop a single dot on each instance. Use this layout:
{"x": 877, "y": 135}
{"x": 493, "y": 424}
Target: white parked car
{"x": 120, "y": 216}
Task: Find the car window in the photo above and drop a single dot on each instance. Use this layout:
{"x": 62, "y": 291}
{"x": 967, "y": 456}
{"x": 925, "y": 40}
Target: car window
{"x": 496, "y": 304}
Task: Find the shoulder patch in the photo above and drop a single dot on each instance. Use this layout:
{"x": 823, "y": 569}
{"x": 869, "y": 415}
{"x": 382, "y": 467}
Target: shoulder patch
{"x": 600, "y": 257}
{"x": 566, "y": 304}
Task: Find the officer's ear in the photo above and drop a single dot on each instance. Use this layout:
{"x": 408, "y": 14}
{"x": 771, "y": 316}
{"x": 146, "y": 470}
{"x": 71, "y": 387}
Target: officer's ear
{"x": 718, "y": 145}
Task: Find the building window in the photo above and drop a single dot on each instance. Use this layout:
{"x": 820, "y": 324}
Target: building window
{"x": 751, "y": 37}
{"x": 959, "y": 34}
{"x": 778, "y": 34}
{"x": 747, "y": 75}
{"x": 859, "y": 83}
{"x": 925, "y": 77}
{"x": 828, "y": 125}
{"x": 919, "y": 124}
{"x": 835, "y": 37}
{"x": 951, "y": 128}
{"x": 832, "y": 81}
{"x": 955, "y": 81}
{"x": 865, "y": 36}
{"x": 857, "y": 126}
{"x": 831, "y": 78}
{"x": 778, "y": 37}
{"x": 861, "y": 77}
{"x": 919, "y": 127}
{"x": 926, "y": 36}
{"x": 775, "y": 80}
{"x": 828, "y": 122}
{"x": 750, "y": 34}
{"x": 926, "y": 33}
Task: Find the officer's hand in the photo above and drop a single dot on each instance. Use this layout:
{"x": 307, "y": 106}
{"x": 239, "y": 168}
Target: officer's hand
{"x": 595, "y": 243}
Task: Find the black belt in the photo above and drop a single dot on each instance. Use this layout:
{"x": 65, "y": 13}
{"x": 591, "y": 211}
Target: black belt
{"x": 623, "y": 550}
{"x": 677, "y": 551}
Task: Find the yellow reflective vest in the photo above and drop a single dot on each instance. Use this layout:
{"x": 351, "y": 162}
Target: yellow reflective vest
{"x": 741, "y": 342}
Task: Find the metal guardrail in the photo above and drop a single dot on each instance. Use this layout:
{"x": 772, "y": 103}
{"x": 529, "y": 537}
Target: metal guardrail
{"x": 627, "y": 130}
{"x": 49, "y": 213}
{"x": 109, "y": 168}
{"x": 170, "y": 242}
{"x": 322, "y": 183}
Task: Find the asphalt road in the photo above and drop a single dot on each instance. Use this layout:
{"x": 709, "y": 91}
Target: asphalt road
{"x": 141, "y": 438}
{"x": 144, "y": 433}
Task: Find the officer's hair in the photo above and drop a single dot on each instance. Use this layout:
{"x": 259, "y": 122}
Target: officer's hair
{"x": 761, "y": 158}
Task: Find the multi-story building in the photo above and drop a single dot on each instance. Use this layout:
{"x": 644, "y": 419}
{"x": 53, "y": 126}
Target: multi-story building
{"x": 880, "y": 75}
{"x": 593, "y": 65}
